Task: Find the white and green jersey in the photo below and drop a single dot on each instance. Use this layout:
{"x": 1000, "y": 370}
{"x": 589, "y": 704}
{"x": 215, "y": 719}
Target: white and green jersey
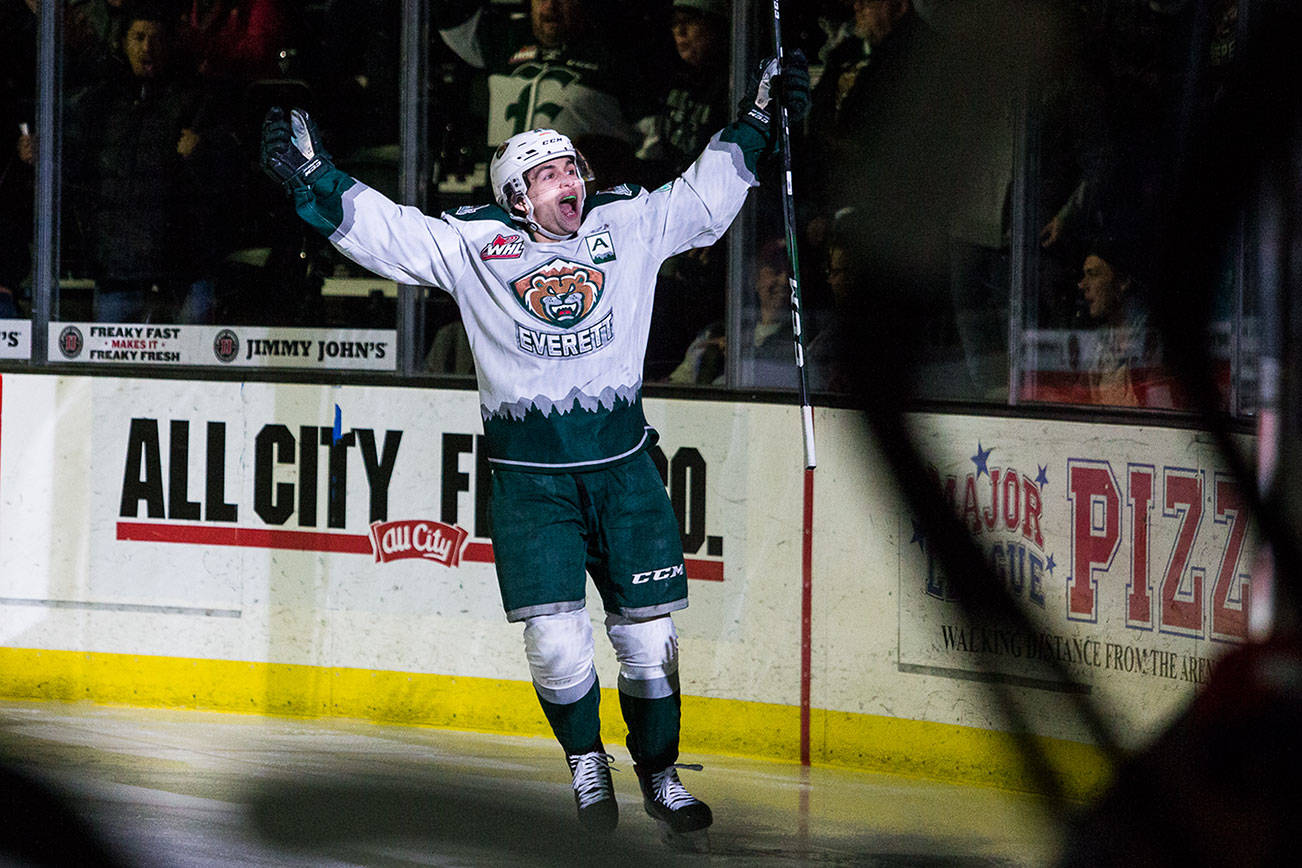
{"x": 558, "y": 329}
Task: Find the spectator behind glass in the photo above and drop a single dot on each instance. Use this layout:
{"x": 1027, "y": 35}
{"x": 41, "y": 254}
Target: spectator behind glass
{"x": 829, "y": 351}
{"x": 770, "y": 344}
{"x": 691, "y": 285}
{"x": 92, "y": 39}
{"x": 559, "y": 70}
{"x": 1122, "y": 369}
{"x": 15, "y": 223}
{"x": 833, "y": 123}
{"x": 697, "y": 102}
{"x": 917, "y": 165}
{"x": 847, "y": 52}
{"x": 17, "y": 87}
{"x": 767, "y": 349}
{"x": 1075, "y": 149}
{"x": 141, "y": 160}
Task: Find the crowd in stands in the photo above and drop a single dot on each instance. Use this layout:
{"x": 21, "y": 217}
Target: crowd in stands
{"x": 155, "y": 143}
{"x": 903, "y": 172}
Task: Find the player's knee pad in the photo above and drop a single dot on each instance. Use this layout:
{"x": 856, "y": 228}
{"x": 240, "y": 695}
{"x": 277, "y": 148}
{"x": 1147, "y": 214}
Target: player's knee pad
{"x": 648, "y": 655}
{"x": 559, "y": 649}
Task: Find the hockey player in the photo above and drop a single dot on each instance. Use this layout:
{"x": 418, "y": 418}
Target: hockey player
{"x": 555, "y": 290}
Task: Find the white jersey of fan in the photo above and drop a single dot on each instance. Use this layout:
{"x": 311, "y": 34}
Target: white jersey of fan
{"x": 559, "y": 329}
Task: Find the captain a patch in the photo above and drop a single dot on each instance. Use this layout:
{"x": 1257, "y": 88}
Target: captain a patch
{"x": 600, "y": 247}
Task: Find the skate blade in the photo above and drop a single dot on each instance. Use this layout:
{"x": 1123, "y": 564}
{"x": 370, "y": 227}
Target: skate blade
{"x": 684, "y": 842}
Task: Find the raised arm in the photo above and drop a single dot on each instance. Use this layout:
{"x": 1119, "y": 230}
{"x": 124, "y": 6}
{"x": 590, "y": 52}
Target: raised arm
{"x": 394, "y": 241}
{"x": 698, "y": 207}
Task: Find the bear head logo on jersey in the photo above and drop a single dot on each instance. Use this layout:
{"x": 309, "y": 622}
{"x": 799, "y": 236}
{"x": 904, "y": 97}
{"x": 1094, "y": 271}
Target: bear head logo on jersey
{"x": 561, "y": 293}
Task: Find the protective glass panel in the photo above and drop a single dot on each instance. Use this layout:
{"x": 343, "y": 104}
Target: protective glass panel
{"x": 900, "y": 176}
{"x": 1104, "y": 298}
{"x": 176, "y": 248}
{"x": 18, "y": 35}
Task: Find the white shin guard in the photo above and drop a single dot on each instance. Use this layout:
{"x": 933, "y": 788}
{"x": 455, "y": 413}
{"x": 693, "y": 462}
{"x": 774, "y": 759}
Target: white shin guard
{"x": 648, "y": 655}
{"x": 560, "y": 648}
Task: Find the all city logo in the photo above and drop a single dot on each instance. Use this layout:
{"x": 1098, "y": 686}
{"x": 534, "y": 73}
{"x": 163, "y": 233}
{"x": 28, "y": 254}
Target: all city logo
{"x": 418, "y": 538}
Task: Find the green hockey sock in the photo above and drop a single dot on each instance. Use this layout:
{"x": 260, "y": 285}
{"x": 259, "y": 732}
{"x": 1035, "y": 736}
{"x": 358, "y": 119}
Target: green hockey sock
{"x": 652, "y": 728}
{"x": 577, "y": 725}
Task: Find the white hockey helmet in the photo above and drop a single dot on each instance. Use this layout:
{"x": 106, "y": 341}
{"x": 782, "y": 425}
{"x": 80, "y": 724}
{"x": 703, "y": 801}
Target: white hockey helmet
{"x": 519, "y": 154}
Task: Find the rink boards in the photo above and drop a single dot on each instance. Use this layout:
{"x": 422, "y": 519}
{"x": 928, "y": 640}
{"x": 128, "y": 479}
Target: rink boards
{"x": 316, "y": 550}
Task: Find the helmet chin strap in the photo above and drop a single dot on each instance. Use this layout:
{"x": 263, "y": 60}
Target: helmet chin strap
{"x": 541, "y": 231}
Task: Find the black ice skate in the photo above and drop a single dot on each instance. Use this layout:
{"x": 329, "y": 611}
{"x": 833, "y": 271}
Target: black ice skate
{"x": 683, "y": 818}
{"x": 593, "y": 792}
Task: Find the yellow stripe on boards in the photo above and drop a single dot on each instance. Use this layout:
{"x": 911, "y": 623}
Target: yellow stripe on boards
{"x": 723, "y": 726}
{"x": 272, "y": 688}
{"x": 950, "y": 752}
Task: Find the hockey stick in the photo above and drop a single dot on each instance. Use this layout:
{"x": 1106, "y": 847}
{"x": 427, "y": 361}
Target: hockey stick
{"x": 789, "y": 220}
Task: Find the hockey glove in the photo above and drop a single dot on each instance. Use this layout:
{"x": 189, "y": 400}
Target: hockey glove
{"x": 794, "y": 90}
{"x": 791, "y": 87}
{"x": 292, "y": 154}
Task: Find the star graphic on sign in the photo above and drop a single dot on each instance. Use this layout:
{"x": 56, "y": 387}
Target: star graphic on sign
{"x": 1043, "y": 478}
{"x": 980, "y": 459}
{"x": 919, "y": 535}
{"x": 1050, "y": 564}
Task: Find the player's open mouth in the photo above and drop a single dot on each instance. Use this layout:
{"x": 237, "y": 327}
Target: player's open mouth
{"x": 569, "y": 205}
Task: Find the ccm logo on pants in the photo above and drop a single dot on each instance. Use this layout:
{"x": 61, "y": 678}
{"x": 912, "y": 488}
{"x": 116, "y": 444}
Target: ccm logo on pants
{"x": 659, "y": 575}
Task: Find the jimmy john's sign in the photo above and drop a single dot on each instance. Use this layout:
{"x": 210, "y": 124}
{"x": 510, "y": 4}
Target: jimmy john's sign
{"x": 235, "y": 346}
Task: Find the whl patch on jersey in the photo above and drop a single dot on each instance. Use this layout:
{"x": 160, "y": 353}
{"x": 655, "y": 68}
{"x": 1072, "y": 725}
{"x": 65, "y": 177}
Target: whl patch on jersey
{"x": 503, "y": 247}
{"x": 600, "y": 247}
{"x": 561, "y": 293}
